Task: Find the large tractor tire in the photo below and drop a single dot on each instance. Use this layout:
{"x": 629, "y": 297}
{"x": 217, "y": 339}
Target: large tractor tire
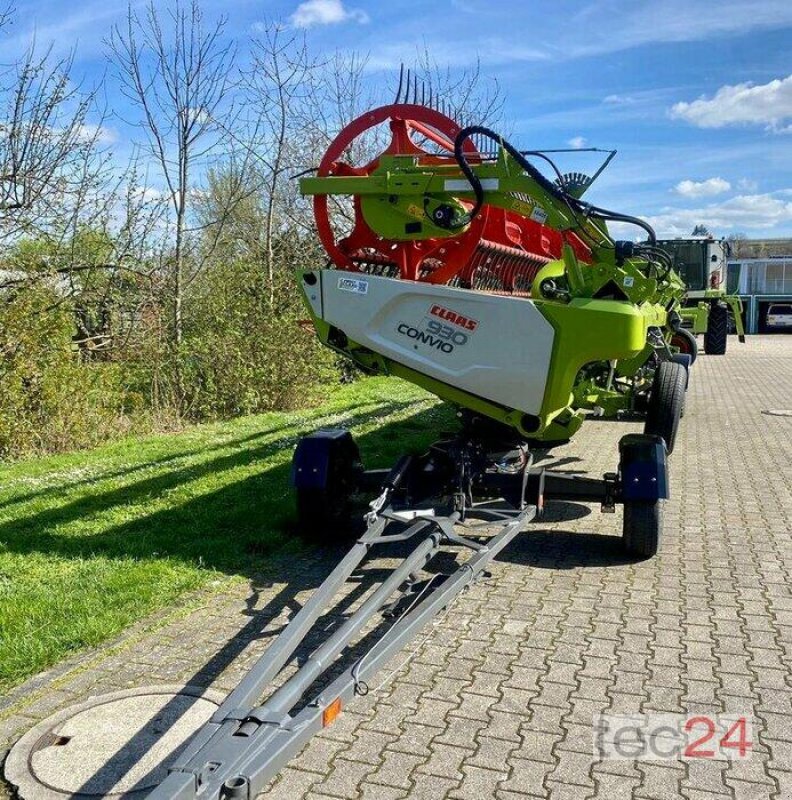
{"x": 717, "y": 334}
{"x": 643, "y": 527}
{"x": 686, "y": 343}
{"x": 666, "y": 402}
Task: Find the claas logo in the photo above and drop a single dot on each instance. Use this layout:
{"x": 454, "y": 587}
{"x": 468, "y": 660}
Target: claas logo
{"x": 448, "y": 315}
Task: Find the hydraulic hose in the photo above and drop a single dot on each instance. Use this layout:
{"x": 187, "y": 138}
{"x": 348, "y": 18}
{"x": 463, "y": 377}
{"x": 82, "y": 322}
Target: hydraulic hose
{"x": 468, "y": 172}
{"x": 575, "y": 206}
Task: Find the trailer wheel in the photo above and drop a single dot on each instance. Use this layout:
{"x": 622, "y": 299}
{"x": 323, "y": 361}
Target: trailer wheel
{"x": 324, "y": 506}
{"x": 686, "y": 342}
{"x": 643, "y": 527}
{"x": 716, "y": 337}
{"x": 666, "y": 402}
{"x": 322, "y": 515}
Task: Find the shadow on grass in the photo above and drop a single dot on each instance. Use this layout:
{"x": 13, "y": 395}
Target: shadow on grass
{"x": 153, "y": 463}
{"x": 220, "y": 529}
{"x": 352, "y": 415}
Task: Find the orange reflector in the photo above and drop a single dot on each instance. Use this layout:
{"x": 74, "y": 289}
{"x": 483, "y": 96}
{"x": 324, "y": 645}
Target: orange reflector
{"x": 331, "y": 712}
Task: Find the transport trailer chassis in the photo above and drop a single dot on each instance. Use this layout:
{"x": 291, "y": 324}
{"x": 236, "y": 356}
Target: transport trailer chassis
{"x": 457, "y": 495}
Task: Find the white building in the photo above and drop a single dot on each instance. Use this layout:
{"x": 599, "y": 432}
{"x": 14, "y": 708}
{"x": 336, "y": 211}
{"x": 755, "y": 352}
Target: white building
{"x": 760, "y": 282}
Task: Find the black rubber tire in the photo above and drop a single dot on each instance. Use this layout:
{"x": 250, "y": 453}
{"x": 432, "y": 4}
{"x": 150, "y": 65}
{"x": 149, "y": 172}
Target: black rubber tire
{"x": 666, "y": 402}
{"x": 717, "y": 334}
{"x": 324, "y": 515}
{"x": 316, "y": 511}
{"x": 686, "y": 342}
{"x": 325, "y": 519}
{"x": 643, "y": 527}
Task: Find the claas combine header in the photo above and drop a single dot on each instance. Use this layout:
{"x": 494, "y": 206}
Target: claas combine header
{"x": 464, "y": 269}
{"x": 470, "y": 273}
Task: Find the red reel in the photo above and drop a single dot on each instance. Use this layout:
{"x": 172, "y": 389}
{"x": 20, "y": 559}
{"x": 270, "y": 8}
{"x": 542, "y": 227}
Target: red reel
{"x": 435, "y": 260}
{"x": 499, "y": 251}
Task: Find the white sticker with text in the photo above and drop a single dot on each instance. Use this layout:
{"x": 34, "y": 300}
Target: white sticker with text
{"x": 355, "y": 285}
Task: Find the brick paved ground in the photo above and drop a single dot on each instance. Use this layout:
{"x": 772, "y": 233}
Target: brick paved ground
{"x": 498, "y": 702}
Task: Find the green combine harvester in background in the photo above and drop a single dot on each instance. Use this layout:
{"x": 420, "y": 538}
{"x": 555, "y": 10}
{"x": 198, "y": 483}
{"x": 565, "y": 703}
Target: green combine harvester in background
{"x": 701, "y": 262}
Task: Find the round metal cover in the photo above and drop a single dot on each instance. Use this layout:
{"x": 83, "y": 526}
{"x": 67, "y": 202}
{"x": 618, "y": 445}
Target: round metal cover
{"x": 117, "y": 745}
{"x": 778, "y": 412}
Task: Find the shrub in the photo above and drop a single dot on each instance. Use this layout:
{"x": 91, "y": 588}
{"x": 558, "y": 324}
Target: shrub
{"x": 243, "y": 354}
{"x": 51, "y": 399}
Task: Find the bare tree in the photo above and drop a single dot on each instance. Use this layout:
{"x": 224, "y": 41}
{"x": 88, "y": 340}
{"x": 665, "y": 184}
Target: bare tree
{"x": 278, "y": 86}
{"x": 179, "y": 72}
{"x": 737, "y": 242}
{"x": 51, "y": 153}
{"x": 59, "y": 191}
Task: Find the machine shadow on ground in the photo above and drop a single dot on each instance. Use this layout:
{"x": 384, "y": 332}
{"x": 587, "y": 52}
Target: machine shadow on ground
{"x": 220, "y": 529}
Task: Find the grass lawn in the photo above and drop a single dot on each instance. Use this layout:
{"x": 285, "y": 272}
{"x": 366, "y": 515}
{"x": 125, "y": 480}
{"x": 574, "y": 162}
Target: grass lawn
{"x": 93, "y": 541}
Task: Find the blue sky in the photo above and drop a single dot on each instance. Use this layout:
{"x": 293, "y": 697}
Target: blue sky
{"x": 695, "y": 95}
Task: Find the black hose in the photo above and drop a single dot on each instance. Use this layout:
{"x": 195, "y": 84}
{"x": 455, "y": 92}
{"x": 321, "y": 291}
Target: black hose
{"x": 614, "y": 216}
{"x": 575, "y": 206}
{"x": 478, "y": 191}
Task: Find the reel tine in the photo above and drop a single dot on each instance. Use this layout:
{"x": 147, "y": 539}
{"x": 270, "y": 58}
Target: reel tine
{"x": 423, "y": 93}
{"x": 407, "y": 87}
{"x": 431, "y": 97}
{"x": 401, "y": 81}
{"x": 415, "y": 88}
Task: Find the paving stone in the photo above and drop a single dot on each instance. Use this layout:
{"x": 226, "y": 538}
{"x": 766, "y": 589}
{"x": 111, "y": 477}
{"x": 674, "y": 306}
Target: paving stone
{"x": 396, "y": 769}
{"x": 414, "y": 739}
{"x": 572, "y": 768}
{"x": 659, "y": 781}
{"x": 431, "y": 787}
{"x": 527, "y": 776}
{"x": 492, "y": 753}
{"x": 613, "y": 787}
{"x": 479, "y": 782}
{"x": 293, "y": 783}
{"x": 344, "y": 778}
{"x": 744, "y": 790}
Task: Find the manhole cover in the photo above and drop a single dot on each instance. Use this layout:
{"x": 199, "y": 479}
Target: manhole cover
{"x": 113, "y": 745}
{"x": 778, "y": 412}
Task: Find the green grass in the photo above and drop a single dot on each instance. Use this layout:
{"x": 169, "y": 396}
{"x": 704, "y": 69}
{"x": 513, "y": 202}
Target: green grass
{"x": 90, "y": 542}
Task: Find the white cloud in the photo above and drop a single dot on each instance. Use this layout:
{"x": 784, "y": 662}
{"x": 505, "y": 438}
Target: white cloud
{"x": 747, "y": 185}
{"x": 577, "y": 142}
{"x": 707, "y": 188}
{"x": 325, "y": 12}
{"x": 743, "y": 212}
{"x": 96, "y": 133}
{"x": 620, "y": 99}
{"x": 768, "y": 104}
{"x": 147, "y": 194}
{"x": 85, "y": 133}
{"x": 609, "y": 25}
{"x": 599, "y": 28}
